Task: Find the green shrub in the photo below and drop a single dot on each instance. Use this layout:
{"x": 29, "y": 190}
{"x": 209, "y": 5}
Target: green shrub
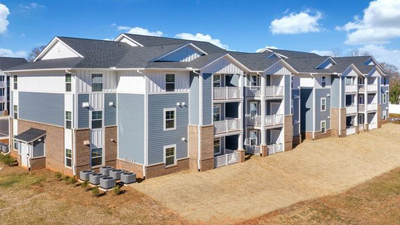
{"x": 66, "y": 179}
{"x": 71, "y": 180}
{"x": 85, "y": 184}
{"x": 7, "y": 159}
{"x": 58, "y": 175}
{"x": 96, "y": 192}
{"x": 117, "y": 190}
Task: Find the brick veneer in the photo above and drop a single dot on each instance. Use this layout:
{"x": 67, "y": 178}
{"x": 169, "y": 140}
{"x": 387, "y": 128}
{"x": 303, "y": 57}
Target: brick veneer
{"x": 335, "y": 122}
{"x": 110, "y": 144}
{"x": 130, "y": 166}
{"x": 160, "y": 169}
{"x": 288, "y": 133}
{"x": 206, "y": 147}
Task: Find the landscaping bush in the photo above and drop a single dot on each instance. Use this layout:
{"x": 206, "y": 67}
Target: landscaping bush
{"x": 58, "y": 175}
{"x": 85, "y": 184}
{"x": 71, "y": 180}
{"x": 66, "y": 179}
{"x": 7, "y": 159}
{"x": 117, "y": 190}
{"x": 96, "y": 192}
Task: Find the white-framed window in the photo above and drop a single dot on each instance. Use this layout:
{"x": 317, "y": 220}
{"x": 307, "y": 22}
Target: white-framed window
{"x": 384, "y": 98}
{"x": 254, "y": 108}
{"x": 97, "y": 82}
{"x": 97, "y": 119}
{"x": 170, "y": 82}
{"x": 253, "y": 81}
{"x": 323, "y": 104}
{"x": 68, "y": 157}
{"x": 170, "y": 119}
{"x": 217, "y": 146}
{"x": 323, "y": 81}
{"x": 169, "y": 155}
{"x": 349, "y": 81}
{"x": 323, "y": 126}
{"x": 2, "y": 106}
{"x": 68, "y": 82}
{"x": 15, "y": 80}
{"x": 97, "y": 157}
{"x": 217, "y": 112}
{"x": 217, "y": 80}
{"x": 68, "y": 119}
{"x": 15, "y": 112}
{"x": 1, "y": 78}
{"x": 2, "y": 91}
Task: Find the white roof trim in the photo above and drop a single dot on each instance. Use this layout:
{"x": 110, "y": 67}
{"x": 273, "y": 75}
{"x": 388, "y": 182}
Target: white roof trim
{"x": 232, "y": 59}
{"x": 353, "y": 67}
{"x": 276, "y": 54}
{"x": 50, "y": 45}
{"x": 286, "y": 65}
{"x": 169, "y": 53}
{"x": 329, "y": 58}
{"x": 119, "y": 38}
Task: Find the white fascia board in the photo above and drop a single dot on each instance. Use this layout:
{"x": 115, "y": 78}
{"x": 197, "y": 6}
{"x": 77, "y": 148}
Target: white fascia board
{"x": 119, "y": 38}
{"x": 329, "y": 58}
{"x": 274, "y": 54}
{"x": 376, "y": 63}
{"x": 353, "y": 67}
{"x": 51, "y": 44}
{"x": 37, "y": 70}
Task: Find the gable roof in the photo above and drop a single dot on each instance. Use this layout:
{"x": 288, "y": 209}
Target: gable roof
{"x": 30, "y": 135}
{"x": 293, "y": 54}
{"x": 8, "y": 62}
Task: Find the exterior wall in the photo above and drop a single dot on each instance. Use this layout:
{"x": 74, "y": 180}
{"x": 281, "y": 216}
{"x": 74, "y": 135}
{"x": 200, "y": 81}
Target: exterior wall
{"x": 385, "y": 105}
{"x": 223, "y": 65}
{"x": 336, "y": 94}
{"x": 131, "y": 128}
{"x": 159, "y": 170}
{"x": 185, "y": 54}
{"x": 83, "y": 112}
{"x": 288, "y": 135}
{"x": 156, "y": 82}
{"x": 38, "y": 148}
{"x": 306, "y": 109}
{"x": 288, "y": 95}
{"x": 37, "y": 163}
{"x": 43, "y": 82}
{"x": 111, "y": 140}
{"x": 131, "y": 82}
{"x": 130, "y": 166}
{"x": 158, "y": 137}
{"x": 58, "y": 51}
{"x": 42, "y": 107}
{"x": 110, "y": 112}
{"x": 296, "y": 112}
{"x": 194, "y": 99}
{"x": 322, "y": 115}
{"x": 207, "y": 99}
{"x": 83, "y": 81}
{"x": 335, "y": 120}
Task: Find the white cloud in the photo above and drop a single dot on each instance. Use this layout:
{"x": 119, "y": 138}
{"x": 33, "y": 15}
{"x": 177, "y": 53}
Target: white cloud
{"x": 139, "y": 30}
{"x": 202, "y": 37}
{"x": 297, "y": 23}
{"x": 265, "y": 48}
{"x": 323, "y": 53}
{"x": 382, "y": 54}
{"x": 10, "y": 53}
{"x": 4, "y": 12}
{"x": 32, "y": 5}
{"x": 380, "y": 24}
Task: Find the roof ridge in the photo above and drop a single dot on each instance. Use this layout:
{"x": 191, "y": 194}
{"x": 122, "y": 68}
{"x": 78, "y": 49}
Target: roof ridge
{"x": 178, "y": 39}
{"x": 88, "y": 39}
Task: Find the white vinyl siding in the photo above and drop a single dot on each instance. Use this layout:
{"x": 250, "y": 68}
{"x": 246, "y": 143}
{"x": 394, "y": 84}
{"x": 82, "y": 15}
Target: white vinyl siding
{"x": 157, "y": 81}
{"x": 84, "y": 80}
{"x": 131, "y": 82}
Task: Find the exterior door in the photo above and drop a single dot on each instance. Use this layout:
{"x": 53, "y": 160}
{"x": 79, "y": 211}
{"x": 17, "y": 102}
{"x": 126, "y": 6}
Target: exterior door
{"x": 254, "y": 109}
{"x": 24, "y": 154}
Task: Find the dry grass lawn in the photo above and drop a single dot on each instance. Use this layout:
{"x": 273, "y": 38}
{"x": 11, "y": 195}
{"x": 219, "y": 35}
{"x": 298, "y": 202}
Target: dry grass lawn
{"x": 261, "y": 185}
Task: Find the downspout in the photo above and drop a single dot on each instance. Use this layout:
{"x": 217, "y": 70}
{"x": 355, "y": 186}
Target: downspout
{"x": 200, "y": 119}
{"x": 340, "y": 104}
{"x": 74, "y": 124}
{"x": 314, "y": 110}
{"x": 146, "y": 140}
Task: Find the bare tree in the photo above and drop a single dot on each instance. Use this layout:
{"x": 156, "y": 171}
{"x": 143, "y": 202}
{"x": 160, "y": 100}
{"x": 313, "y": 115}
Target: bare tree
{"x": 35, "y": 52}
{"x": 358, "y": 52}
{"x": 394, "y": 82}
{"x": 336, "y": 52}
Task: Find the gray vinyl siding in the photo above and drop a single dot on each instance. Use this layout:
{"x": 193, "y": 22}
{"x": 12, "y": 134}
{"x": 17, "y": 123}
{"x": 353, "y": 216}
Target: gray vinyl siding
{"x": 385, "y": 105}
{"x": 158, "y": 138}
{"x": 131, "y": 122}
{"x": 110, "y": 112}
{"x": 336, "y": 95}
{"x": 194, "y": 99}
{"x": 83, "y": 112}
{"x": 38, "y": 148}
{"x": 322, "y": 115}
{"x": 306, "y": 109}
{"x": 42, "y": 107}
{"x": 207, "y": 98}
{"x": 296, "y": 112}
{"x": 287, "y": 95}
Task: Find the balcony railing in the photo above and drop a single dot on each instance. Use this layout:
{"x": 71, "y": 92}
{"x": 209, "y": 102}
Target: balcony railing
{"x": 351, "y": 88}
{"x": 227, "y": 159}
{"x": 275, "y": 148}
{"x": 351, "y": 109}
{"x": 372, "y": 87}
{"x": 270, "y": 120}
{"x": 227, "y": 93}
{"x": 252, "y": 149}
{"x": 372, "y": 107}
{"x": 350, "y": 130}
{"x": 361, "y": 88}
{"x": 228, "y": 125}
{"x": 270, "y": 91}
{"x": 361, "y": 107}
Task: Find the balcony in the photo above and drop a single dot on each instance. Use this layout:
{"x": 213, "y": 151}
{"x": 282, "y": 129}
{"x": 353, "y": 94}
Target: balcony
{"x": 372, "y": 107}
{"x": 372, "y": 88}
{"x": 361, "y": 88}
{"x": 351, "y": 109}
{"x": 270, "y": 91}
{"x": 275, "y": 148}
{"x": 227, "y": 126}
{"x": 350, "y": 131}
{"x": 361, "y": 108}
{"x": 252, "y": 149}
{"x": 227, "y": 93}
{"x": 269, "y": 120}
{"x": 230, "y": 157}
{"x": 351, "y": 88}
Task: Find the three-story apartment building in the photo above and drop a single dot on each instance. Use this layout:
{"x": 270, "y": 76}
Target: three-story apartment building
{"x": 157, "y": 105}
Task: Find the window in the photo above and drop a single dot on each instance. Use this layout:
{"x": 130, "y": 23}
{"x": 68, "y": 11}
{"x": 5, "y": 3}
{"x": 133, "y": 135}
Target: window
{"x": 254, "y": 106}
{"x": 97, "y": 82}
{"x": 68, "y": 157}
{"x": 253, "y": 80}
{"x": 217, "y": 80}
{"x": 323, "y": 82}
{"x": 15, "y": 145}
{"x": 68, "y": 120}
{"x": 170, "y": 156}
{"x": 97, "y": 119}
{"x": 2, "y": 106}
{"x": 323, "y": 126}
{"x": 349, "y": 81}
{"x": 170, "y": 82}
{"x": 217, "y": 112}
{"x": 217, "y": 146}
{"x": 253, "y": 137}
{"x": 2, "y": 91}
{"x": 384, "y": 98}
{"x": 169, "y": 119}
{"x": 97, "y": 157}
{"x": 68, "y": 81}
{"x": 323, "y": 104}
{"x": 15, "y": 82}
{"x": 15, "y": 112}
{"x": 1, "y": 78}
{"x": 291, "y": 81}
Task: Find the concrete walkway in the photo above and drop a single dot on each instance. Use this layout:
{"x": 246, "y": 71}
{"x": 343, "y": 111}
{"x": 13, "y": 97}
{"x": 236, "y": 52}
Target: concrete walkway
{"x": 261, "y": 185}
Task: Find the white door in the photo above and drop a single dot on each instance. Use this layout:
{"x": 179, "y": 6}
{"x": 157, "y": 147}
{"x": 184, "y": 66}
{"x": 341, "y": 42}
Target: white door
{"x": 254, "y": 108}
{"x": 24, "y": 154}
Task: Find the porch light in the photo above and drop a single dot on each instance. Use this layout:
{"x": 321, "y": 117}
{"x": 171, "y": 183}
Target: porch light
{"x": 111, "y": 104}
{"x": 183, "y": 139}
{"x": 178, "y": 104}
{"x": 85, "y": 105}
{"x": 183, "y": 103}
{"x": 328, "y": 95}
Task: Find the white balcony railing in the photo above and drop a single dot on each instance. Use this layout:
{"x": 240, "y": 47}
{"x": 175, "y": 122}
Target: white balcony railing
{"x": 361, "y": 87}
{"x": 350, "y": 131}
{"x": 351, "y": 88}
{"x": 270, "y": 120}
{"x": 227, "y": 159}
{"x": 361, "y": 108}
{"x": 252, "y": 149}
{"x": 372, "y": 126}
{"x": 372, "y": 107}
{"x": 227, "y": 93}
{"x": 372, "y": 87}
{"x": 351, "y": 109}
{"x": 275, "y": 148}
{"x": 228, "y": 125}
{"x": 270, "y": 91}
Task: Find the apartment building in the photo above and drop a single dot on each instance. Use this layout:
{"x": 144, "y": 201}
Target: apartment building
{"x": 157, "y": 105}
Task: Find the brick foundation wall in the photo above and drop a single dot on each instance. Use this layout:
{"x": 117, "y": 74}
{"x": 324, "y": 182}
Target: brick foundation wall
{"x": 319, "y": 135}
{"x": 82, "y": 151}
{"x": 296, "y": 141}
{"x": 160, "y": 169}
{"x": 288, "y": 133}
{"x": 193, "y": 143}
{"x": 38, "y": 163}
{"x": 129, "y": 166}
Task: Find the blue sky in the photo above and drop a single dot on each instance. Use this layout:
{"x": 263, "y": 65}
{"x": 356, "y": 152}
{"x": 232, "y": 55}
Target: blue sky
{"x": 238, "y": 25}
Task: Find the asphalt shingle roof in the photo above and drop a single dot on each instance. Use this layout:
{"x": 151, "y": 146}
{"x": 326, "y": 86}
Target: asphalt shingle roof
{"x": 293, "y": 54}
{"x": 8, "y": 62}
{"x": 30, "y": 135}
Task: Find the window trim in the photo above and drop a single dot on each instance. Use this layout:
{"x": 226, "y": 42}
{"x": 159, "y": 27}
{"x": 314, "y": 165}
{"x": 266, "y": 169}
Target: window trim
{"x": 323, "y": 81}
{"x": 169, "y": 82}
{"x": 323, "y": 110}
{"x": 15, "y": 82}
{"x": 255, "y": 81}
{"x": 68, "y": 120}
{"x": 91, "y": 157}
{"x": 91, "y": 119}
{"x": 68, "y": 82}
{"x": 165, "y": 157}
{"x": 220, "y": 147}
{"x": 219, "y": 82}
{"x": 165, "y": 121}
{"x": 220, "y": 112}
{"x": 70, "y": 158}
{"x": 102, "y": 82}
{"x": 15, "y": 112}
{"x": 323, "y": 121}
{"x": 384, "y": 98}
{"x": 15, "y": 145}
